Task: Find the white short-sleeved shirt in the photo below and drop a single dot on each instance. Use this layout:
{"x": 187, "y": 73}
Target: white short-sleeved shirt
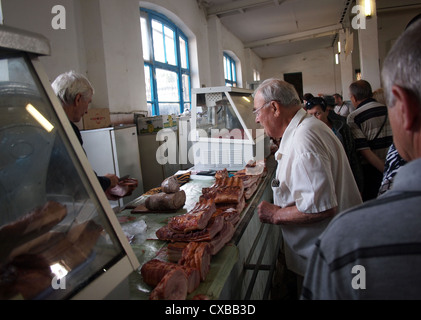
{"x": 314, "y": 174}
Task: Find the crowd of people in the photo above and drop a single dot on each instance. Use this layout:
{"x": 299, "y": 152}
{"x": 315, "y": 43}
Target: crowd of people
{"x": 347, "y": 189}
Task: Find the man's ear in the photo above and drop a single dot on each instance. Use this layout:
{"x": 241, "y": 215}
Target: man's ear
{"x": 276, "y": 108}
{"x": 408, "y": 107}
{"x": 78, "y": 99}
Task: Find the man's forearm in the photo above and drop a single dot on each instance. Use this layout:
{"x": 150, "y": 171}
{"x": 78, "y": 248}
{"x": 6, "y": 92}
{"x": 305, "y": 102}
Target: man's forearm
{"x": 373, "y": 159}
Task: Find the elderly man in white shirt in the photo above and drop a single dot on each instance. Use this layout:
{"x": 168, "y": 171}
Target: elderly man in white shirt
{"x": 313, "y": 181}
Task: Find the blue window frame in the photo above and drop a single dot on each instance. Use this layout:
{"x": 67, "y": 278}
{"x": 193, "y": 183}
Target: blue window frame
{"x": 166, "y": 62}
{"x": 230, "y": 71}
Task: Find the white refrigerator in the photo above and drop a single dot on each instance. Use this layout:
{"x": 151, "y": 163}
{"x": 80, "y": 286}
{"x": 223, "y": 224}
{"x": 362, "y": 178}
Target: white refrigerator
{"x": 115, "y": 150}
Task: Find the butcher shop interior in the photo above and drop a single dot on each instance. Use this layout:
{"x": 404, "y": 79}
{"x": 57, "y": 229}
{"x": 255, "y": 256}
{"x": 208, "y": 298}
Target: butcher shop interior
{"x": 158, "y": 187}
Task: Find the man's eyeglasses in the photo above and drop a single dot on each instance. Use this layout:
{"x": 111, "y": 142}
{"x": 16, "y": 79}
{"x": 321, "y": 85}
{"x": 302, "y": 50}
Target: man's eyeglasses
{"x": 257, "y": 111}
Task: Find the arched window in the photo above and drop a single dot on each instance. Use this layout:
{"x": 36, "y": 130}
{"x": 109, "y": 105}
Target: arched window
{"x": 230, "y": 71}
{"x": 167, "y": 69}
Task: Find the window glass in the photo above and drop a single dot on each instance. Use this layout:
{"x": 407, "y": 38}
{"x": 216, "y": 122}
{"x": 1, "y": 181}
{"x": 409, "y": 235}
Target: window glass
{"x": 170, "y": 46}
{"x": 230, "y": 71}
{"x": 186, "y": 87}
{"x": 145, "y": 40}
{"x": 183, "y": 53}
{"x": 167, "y": 85}
{"x": 167, "y": 73}
{"x": 148, "y": 83}
{"x": 158, "y": 41}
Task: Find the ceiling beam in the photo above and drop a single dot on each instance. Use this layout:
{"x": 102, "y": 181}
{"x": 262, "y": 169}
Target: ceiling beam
{"x": 240, "y": 5}
{"x": 310, "y": 34}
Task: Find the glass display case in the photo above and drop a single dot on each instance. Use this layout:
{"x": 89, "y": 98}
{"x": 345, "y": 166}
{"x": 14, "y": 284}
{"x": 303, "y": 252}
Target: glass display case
{"x": 59, "y": 237}
{"x": 225, "y": 129}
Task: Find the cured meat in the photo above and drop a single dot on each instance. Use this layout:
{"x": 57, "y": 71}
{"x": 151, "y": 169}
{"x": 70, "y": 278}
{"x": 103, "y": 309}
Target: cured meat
{"x": 173, "y": 286}
{"x": 197, "y": 255}
{"x": 30, "y": 226}
{"x": 124, "y": 188}
{"x": 166, "y": 201}
{"x": 196, "y": 219}
{"x": 170, "y": 185}
{"x": 230, "y": 214}
{"x": 25, "y": 276}
{"x": 224, "y": 190}
{"x": 248, "y": 193}
{"x": 237, "y": 206}
{"x": 248, "y": 180}
{"x": 220, "y": 174}
{"x": 222, "y": 238}
{"x": 215, "y": 225}
{"x": 37, "y": 221}
{"x": 174, "y": 250}
{"x": 154, "y": 270}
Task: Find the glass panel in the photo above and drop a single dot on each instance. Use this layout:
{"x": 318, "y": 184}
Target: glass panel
{"x": 169, "y": 108}
{"x": 150, "y": 112}
{"x": 167, "y": 85}
{"x": 234, "y": 74}
{"x": 158, "y": 41}
{"x": 226, "y": 69}
{"x": 183, "y": 53}
{"x": 148, "y": 83}
{"x": 186, "y": 88}
{"x": 145, "y": 40}
{"x": 218, "y": 117}
{"x": 170, "y": 45}
{"x": 52, "y": 225}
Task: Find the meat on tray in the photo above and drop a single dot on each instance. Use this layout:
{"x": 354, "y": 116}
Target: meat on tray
{"x": 170, "y": 185}
{"x": 173, "y": 286}
{"x": 248, "y": 180}
{"x": 230, "y": 214}
{"x": 215, "y": 225}
{"x": 222, "y": 238}
{"x": 197, "y": 255}
{"x": 154, "y": 270}
{"x": 196, "y": 219}
{"x": 224, "y": 190}
{"x": 166, "y": 201}
{"x": 175, "y": 249}
{"x": 237, "y": 206}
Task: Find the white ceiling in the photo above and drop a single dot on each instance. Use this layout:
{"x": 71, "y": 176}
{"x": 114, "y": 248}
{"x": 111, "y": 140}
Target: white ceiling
{"x": 274, "y": 28}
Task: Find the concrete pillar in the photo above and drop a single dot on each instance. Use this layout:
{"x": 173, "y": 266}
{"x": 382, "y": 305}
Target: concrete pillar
{"x": 345, "y": 61}
{"x": 369, "y": 47}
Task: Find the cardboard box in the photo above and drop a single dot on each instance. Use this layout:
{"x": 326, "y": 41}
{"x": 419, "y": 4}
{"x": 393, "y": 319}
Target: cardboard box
{"x": 96, "y": 118}
{"x": 147, "y": 125}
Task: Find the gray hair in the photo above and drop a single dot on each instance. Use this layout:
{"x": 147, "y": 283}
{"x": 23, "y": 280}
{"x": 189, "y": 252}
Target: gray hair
{"x": 277, "y": 90}
{"x": 402, "y": 65}
{"x": 69, "y": 84}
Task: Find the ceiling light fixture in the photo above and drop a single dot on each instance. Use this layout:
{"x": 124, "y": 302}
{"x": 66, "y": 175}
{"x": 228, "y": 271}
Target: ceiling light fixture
{"x": 368, "y": 8}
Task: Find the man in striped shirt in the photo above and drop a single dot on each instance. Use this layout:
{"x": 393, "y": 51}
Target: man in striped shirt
{"x": 372, "y": 132}
{"x": 373, "y": 251}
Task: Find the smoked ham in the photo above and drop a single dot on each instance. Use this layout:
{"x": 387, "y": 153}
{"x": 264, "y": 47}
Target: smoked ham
{"x": 215, "y": 225}
{"x": 173, "y": 286}
{"x": 166, "y": 201}
{"x": 196, "y": 219}
{"x": 224, "y": 190}
{"x": 197, "y": 255}
{"x": 154, "y": 270}
{"x": 222, "y": 238}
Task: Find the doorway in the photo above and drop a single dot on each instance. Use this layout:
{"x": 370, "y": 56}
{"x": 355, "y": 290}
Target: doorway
{"x": 296, "y": 79}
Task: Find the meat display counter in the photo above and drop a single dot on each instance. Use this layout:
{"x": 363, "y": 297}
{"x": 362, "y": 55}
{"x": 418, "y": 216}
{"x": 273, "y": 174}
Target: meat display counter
{"x": 59, "y": 237}
{"x": 224, "y": 132}
{"x": 242, "y": 269}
